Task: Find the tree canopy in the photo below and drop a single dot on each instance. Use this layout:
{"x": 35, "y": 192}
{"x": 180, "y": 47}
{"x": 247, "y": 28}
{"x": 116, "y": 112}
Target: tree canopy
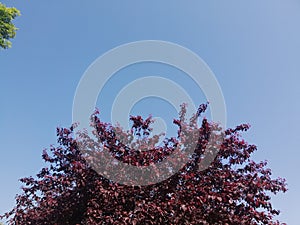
{"x": 234, "y": 189}
{"x": 7, "y": 28}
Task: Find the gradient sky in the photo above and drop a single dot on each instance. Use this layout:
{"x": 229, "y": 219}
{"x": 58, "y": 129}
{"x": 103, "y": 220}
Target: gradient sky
{"x": 252, "y": 47}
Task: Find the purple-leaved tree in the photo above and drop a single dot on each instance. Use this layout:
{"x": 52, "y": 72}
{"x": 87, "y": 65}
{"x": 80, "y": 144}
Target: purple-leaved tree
{"x": 233, "y": 189}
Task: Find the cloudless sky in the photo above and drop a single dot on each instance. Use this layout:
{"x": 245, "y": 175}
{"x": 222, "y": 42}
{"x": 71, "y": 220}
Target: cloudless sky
{"x": 253, "y": 48}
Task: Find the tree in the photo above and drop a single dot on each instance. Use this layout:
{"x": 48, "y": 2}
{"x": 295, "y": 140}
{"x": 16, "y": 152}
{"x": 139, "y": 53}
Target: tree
{"x": 7, "y": 28}
{"x": 232, "y": 190}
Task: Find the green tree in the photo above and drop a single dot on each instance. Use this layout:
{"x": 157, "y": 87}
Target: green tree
{"x": 7, "y": 28}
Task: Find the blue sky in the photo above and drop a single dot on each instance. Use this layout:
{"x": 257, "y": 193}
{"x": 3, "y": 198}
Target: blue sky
{"x": 252, "y": 47}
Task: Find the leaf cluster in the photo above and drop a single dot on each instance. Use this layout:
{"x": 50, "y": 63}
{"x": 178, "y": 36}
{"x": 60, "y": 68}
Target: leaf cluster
{"x": 7, "y": 28}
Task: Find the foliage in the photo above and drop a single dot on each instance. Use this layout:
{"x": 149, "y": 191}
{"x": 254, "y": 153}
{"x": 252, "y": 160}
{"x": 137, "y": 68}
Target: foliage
{"x": 7, "y": 28}
{"x": 232, "y": 190}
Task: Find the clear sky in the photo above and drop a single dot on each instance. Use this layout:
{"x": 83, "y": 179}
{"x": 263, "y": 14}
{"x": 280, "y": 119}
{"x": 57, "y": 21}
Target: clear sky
{"x": 253, "y": 48}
